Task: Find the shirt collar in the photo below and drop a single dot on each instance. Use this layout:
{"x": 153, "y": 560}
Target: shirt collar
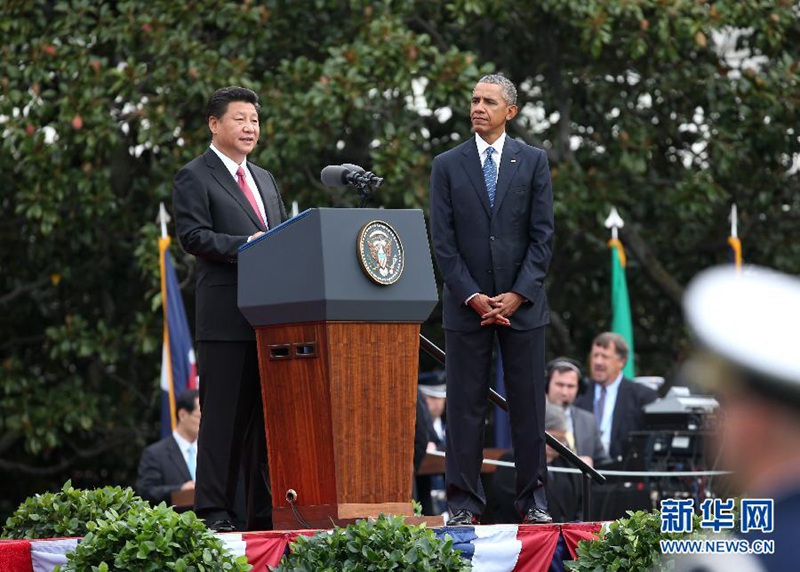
{"x": 612, "y": 387}
{"x": 497, "y": 145}
{"x": 183, "y": 444}
{"x": 229, "y": 163}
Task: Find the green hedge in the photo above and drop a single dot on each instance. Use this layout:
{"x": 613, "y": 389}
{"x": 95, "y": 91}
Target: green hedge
{"x": 630, "y": 543}
{"x": 385, "y": 543}
{"x": 67, "y": 512}
{"x": 150, "y": 540}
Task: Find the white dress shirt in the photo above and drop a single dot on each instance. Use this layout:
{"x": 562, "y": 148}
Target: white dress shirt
{"x": 498, "y": 150}
{"x": 184, "y": 445}
{"x": 496, "y": 156}
{"x": 232, "y": 167}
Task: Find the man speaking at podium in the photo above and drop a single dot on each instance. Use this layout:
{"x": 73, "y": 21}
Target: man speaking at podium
{"x": 491, "y": 211}
{"x": 221, "y": 201}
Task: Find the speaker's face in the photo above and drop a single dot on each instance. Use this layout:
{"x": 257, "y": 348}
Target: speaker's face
{"x": 563, "y": 388}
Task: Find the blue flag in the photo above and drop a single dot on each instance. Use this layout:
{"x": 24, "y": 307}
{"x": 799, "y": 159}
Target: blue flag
{"x": 178, "y": 367}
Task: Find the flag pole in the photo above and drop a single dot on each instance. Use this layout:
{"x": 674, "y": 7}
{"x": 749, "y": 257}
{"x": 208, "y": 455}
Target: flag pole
{"x": 621, "y": 319}
{"x": 163, "y": 219}
{"x": 733, "y": 239}
{"x": 163, "y": 245}
{"x": 614, "y": 222}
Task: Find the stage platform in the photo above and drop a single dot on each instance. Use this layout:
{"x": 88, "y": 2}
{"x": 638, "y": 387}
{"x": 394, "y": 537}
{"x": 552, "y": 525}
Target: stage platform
{"x": 500, "y": 547}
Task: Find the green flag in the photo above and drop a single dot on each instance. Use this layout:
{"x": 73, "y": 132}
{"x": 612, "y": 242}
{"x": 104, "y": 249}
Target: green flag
{"x": 621, "y": 322}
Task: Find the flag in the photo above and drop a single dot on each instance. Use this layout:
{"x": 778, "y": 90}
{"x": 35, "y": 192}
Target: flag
{"x": 505, "y": 547}
{"x": 736, "y": 251}
{"x": 178, "y": 367}
{"x": 490, "y": 548}
{"x": 621, "y": 322}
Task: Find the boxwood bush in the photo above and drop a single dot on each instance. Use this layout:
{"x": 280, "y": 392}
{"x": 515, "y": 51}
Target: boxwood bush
{"x": 630, "y": 543}
{"x": 67, "y": 512}
{"x": 149, "y": 540}
{"x": 385, "y": 543}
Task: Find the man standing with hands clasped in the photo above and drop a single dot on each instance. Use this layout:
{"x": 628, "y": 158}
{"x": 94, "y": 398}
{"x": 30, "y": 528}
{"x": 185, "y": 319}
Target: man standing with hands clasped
{"x": 491, "y": 211}
{"x": 222, "y": 201}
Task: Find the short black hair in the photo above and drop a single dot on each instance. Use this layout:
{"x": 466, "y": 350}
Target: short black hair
{"x": 186, "y": 400}
{"x": 563, "y": 365}
{"x": 218, "y": 102}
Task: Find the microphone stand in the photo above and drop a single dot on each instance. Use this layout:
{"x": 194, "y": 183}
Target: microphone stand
{"x": 366, "y": 188}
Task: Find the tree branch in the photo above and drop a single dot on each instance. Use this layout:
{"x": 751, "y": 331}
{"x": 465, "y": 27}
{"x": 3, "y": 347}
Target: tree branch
{"x": 563, "y": 338}
{"x": 122, "y": 436}
{"x": 20, "y": 290}
{"x": 658, "y": 274}
{"x": 431, "y": 31}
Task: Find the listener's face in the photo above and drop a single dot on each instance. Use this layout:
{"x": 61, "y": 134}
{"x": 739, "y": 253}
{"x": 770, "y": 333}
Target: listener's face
{"x": 435, "y": 406}
{"x": 605, "y": 364}
{"x": 490, "y": 111}
{"x": 563, "y": 388}
{"x": 549, "y": 451}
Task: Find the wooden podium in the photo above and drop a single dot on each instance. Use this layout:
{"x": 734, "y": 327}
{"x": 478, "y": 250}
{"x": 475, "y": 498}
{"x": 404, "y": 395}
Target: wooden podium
{"x": 339, "y": 356}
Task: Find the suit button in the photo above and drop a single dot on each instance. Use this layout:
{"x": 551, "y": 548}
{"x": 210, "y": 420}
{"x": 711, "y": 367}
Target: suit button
{"x": 488, "y": 272}
{"x": 491, "y": 238}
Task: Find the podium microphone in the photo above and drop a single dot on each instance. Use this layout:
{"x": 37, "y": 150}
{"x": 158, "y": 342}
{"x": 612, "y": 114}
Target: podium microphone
{"x": 349, "y": 175}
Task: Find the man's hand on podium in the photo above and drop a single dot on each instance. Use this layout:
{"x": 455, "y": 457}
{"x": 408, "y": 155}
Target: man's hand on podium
{"x": 187, "y": 486}
{"x": 255, "y": 235}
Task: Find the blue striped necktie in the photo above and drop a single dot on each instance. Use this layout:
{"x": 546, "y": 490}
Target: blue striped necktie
{"x": 490, "y": 175}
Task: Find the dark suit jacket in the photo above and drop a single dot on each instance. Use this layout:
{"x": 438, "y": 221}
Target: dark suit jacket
{"x": 213, "y": 219}
{"x": 587, "y": 436}
{"x": 628, "y": 412}
{"x": 480, "y": 249}
{"x": 162, "y": 470}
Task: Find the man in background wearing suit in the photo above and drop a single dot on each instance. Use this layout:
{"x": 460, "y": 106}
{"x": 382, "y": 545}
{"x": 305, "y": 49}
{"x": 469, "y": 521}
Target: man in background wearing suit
{"x": 221, "y": 202}
{"x": 583, "y": 435}
{"x": 616, "y": 401}
{"x": 169, "y": 465}
{"x": 491, "y": 212}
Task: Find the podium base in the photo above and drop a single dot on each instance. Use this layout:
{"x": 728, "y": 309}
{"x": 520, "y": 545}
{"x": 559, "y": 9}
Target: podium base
{"x": 326, "y": 516}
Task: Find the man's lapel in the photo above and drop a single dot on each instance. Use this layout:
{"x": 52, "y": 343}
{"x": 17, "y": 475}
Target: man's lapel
{"x": 263, "y": 183}
{"x": 620, "y": 412}
{"x": 223, "y": 177}
{"x": 508, "y": 168}
{"x": 176, "y": 456}
{"x": 471, "y": 163}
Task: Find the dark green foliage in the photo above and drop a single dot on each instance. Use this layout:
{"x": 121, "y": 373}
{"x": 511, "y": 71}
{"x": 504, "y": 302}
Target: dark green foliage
{"x": 630, "y": 543}
{"x": 69, "y": 512}
{"x": 149, "y": 540}
{"x": 385, "y": 543}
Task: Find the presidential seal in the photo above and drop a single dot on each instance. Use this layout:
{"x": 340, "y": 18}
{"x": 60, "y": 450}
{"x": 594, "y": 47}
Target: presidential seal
{"x": 380, "y": 252}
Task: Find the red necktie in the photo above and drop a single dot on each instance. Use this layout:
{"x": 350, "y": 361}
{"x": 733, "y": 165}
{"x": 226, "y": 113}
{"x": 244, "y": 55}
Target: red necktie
{"x": 249, "y": 194}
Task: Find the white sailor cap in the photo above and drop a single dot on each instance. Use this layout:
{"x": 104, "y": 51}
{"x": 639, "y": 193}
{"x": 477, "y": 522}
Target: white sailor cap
{"x": 433, "y": 384}
{"x": 439, "y": 391}
{"x": 750, "y": 321}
